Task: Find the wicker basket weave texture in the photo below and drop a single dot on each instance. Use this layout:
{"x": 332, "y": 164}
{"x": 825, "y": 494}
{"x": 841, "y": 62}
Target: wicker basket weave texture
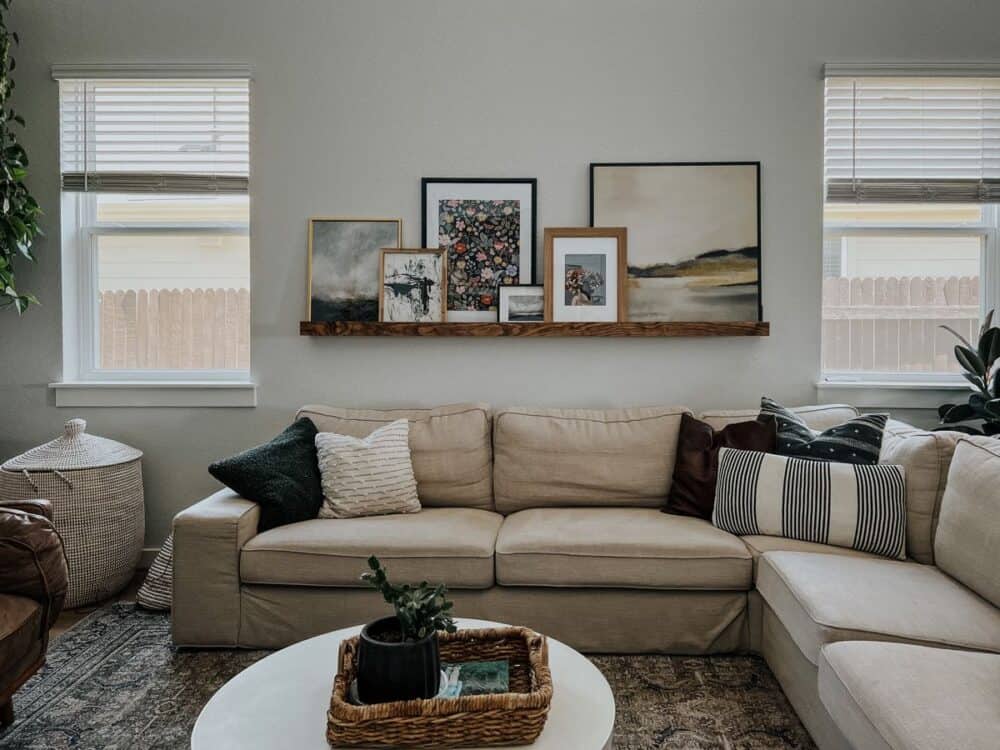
{"x": 513, "y": 718}
{"x": 99, "y": 512}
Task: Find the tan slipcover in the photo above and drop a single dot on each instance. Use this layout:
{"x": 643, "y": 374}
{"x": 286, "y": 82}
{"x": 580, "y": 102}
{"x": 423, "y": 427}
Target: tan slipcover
{"x": 618, "y": 547}
{"x": 890, "y": 696}
{"x": 437, "y": 544}
{"x": 582, "y": 457}
{"x": 623, "y": 621}
{"x": 818, "y": 417}
{"x": 449, "y": 446}
{"x": 967, "y": 543}
{"x": 825, "y": 598}
{"x": 758, "y": 544}
{"x": 925, "y": 458}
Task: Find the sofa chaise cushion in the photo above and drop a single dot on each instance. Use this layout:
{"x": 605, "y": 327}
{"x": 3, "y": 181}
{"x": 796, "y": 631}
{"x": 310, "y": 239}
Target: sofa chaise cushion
{"x": 967, "y": 545}
{"x": 890, "y": 696}
{"x": 449, "y": 447}
{"x": 618, "y": 547}
{"x": 441, "y": 545}
{"x": 821, "y": 599}
{"x": 584, "y": 457}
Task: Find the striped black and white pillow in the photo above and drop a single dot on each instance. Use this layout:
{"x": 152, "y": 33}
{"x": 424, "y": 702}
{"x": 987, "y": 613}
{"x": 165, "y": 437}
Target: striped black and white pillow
{"x": 157, "y": 590}
{"x": 857, "y": 441}
{"x": 369, "y": 476}
{"x": 847, "y": 505}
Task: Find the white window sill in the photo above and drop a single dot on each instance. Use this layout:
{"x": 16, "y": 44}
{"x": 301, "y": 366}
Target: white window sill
{"x": 873, "y": 394}
{"x": 156, "y": 393}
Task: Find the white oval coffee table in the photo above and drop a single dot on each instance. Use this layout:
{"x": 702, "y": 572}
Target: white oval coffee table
{"x": 281, "y": 701}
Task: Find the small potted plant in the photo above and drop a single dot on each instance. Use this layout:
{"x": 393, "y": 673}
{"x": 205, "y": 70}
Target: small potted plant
{"x": 398, "y": 655}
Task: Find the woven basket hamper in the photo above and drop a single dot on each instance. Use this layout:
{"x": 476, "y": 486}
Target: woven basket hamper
{"x": 95, "y": 487}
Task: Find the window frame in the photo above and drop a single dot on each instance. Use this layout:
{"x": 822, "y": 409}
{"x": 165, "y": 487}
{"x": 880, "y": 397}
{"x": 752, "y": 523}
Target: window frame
{"x": 988, "y": 228}
{"x": 84, "y": 247}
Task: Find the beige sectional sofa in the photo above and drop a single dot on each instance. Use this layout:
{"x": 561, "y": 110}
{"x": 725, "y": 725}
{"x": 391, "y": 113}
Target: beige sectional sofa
{"x": 550, "y": 518}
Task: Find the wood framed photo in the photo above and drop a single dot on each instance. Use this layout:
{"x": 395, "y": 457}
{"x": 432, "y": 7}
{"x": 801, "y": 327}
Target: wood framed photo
{"x": 413, "y": 284}
{"x": 694, "y": 237}
{"x": 344, "y": 266}
{"x": 487, "y": 226}
{"x": 522, "y": 303}
{"x": 585, "y": 274}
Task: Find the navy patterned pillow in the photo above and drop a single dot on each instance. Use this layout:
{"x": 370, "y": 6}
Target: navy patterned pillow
{"x": 857, "y": 441}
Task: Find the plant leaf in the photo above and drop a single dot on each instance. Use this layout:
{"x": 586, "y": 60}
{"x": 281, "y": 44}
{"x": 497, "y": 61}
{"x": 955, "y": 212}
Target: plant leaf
{"x": 959, "y": 413}
{"x": 969, "y": 359}
{"x": 957, "y": 335}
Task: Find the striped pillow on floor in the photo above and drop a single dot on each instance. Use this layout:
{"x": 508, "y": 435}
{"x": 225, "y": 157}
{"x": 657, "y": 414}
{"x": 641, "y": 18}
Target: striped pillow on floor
{"x": 847, "y": 505}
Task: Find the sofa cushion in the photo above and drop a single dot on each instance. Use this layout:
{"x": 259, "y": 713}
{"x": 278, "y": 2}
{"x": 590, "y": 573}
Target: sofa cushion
{"x": 967, "y": 543}
{"x": 825, "y": 598}
{"x": 925, "y": 457}
{"x": 441, "y": 545}
{"x": 758, "y": 544}
{"x": 581, "y": 457}
{"x": 818, "y": 417}
{"x": 905, "y": 697}
{"x": 449, "y": 446}
{"x": 618, "y": 547}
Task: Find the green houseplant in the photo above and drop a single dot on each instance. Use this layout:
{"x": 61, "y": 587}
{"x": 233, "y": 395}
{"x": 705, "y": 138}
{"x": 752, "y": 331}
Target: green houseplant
{"x": 982, "y": 369}
{"x": 20, "y": 211}
{"x": 398, "y": 656}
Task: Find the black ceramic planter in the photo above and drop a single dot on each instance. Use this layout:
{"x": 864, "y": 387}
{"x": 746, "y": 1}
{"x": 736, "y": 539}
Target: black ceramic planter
{"x": 396, "y": 671}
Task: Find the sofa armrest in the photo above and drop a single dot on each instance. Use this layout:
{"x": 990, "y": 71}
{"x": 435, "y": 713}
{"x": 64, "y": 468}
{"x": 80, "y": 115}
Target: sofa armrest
{"x": 208, "y": 538}
{"x": 32, "y": 561}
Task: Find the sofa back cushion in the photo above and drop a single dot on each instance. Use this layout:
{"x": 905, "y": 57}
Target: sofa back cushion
{"x": 967, "y": 543}
{"x": 819, "y": 417}
{"x": 925, "y": 457}
{"x": 583, "y": 457}
{"x": 449, "y": 447}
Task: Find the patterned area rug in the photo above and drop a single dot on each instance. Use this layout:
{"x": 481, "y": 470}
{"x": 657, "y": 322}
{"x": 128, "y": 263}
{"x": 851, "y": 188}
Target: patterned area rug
{"x": 115, "y": 682}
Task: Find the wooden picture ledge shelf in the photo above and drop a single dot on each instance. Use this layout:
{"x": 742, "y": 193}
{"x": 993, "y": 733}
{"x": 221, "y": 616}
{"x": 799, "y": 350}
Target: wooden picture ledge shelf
{"x": 529, "y": 330}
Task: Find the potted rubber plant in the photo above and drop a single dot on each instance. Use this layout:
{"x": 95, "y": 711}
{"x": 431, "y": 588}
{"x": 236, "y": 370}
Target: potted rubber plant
{"x": 398, "y": 655}
{"x": 982, "y": 369}
{"x": 20, "y": 212}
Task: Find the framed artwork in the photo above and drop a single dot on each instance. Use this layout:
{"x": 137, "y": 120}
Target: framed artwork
{"x": 523, "y": 303}
{"x": 487, "y": 227}
{"x": 694, "y": 237}
{"x": 585, "y": 273}
{"x": 413, "y": 284}
{"x": 344, "y": 266}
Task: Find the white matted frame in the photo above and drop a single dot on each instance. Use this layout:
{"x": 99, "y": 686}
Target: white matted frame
{"x": 607, "y": 243}
{"x": 515, "y": 290}
{"x": 437, "y": 189}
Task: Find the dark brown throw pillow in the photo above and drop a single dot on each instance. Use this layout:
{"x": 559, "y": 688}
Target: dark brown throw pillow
{"x": 692, "y": 491}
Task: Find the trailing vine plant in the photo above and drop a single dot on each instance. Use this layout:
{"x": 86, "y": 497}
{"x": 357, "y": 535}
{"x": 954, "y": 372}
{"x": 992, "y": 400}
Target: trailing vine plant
{"x": 20, "y": 211}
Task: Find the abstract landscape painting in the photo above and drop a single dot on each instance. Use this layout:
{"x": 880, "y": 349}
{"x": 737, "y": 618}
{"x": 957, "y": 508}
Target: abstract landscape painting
{"x": 522, "y": 304}
{"x": 413, "y": 286}
{"x": 694, "y": 237}
{"x": 344, "y": 266}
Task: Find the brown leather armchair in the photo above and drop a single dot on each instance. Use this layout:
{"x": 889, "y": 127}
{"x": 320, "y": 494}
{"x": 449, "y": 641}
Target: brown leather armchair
{"x": 32, "y": 591}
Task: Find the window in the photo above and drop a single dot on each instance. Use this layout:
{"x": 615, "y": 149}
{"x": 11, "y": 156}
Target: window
{"x": 155, "y": 207}
{"x": 910, "y": 223}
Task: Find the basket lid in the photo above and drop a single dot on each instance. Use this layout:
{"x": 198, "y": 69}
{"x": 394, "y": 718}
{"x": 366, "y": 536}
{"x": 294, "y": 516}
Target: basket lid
{"x": 74, "y": 449}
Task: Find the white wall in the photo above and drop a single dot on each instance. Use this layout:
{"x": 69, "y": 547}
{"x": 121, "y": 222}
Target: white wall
{"x": 354, "y": 101}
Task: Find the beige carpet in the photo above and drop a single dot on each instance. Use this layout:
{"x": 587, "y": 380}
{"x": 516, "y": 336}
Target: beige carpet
{"x": 114, "y": 682}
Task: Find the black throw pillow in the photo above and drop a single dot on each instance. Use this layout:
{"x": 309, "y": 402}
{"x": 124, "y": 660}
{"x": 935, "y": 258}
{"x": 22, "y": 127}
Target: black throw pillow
{"x": 281, "y": 476}
{"x": 857, "y": 441}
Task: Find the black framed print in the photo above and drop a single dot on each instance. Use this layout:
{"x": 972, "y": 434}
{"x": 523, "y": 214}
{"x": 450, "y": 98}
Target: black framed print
{"x": 488, "y": 228}
{"x": 694, "y": 250}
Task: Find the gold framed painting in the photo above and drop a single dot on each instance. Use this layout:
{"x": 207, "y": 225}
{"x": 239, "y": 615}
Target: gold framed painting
{"x": 343, "y": 278}
{"x": 413, "y": 285}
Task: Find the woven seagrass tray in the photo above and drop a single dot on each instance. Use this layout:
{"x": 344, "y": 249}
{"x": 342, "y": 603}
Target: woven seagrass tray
{"x": 514, "y": 718}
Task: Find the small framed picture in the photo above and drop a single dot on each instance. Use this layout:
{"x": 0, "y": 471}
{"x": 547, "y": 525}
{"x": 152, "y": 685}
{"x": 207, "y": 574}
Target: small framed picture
{"x": 524, "y": 303}
{"x": 487, "y": 226}
{"x": 585, "y": 273}
{"x": 343, "y": 266}
{"x": 413, "y": 285}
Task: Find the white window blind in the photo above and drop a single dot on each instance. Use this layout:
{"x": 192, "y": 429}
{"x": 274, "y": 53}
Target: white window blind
{"x": 155, "y": 135}
{"x": 912, "y": 139}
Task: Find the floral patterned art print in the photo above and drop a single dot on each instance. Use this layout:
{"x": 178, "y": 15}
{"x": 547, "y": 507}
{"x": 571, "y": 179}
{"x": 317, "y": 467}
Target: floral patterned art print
{"x": 484, "y": 249}
{"x": 487, "y": 228}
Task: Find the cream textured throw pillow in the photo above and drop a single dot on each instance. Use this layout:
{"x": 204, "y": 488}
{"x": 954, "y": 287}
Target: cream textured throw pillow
{"x": 369, "y": 476}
